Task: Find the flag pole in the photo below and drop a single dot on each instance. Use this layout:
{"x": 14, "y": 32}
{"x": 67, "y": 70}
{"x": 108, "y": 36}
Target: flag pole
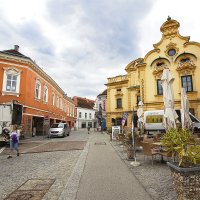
{"x": 134, "y": 163}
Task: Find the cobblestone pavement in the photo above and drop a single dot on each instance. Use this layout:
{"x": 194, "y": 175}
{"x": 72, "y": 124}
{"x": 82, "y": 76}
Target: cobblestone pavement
{"x": 59, "y": 166}
{"x": 155, "y": 178}
{"x": 56, "y": 165}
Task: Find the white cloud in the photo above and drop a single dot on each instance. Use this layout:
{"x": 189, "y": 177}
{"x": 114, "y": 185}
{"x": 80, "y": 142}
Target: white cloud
{"x": 82, "y": 43}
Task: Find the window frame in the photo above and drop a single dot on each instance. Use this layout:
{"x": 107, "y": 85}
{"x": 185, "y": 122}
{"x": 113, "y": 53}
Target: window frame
{"x": 119, "y": 103}
{"x": 38, "y": 96}
{"x": 191, "y": 82}
{"x": 46, "y": 94}
{"x": 53, "y": 98}
{"x": 159, "y": 89}
{"x": 13, "y": 72}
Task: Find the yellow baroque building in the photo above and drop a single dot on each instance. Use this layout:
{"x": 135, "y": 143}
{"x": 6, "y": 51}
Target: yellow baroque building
{"x": 142, "y": 78}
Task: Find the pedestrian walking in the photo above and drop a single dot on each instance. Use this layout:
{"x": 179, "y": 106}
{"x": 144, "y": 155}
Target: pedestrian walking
{"x": 88, "y": 128}
{"x": 14, "y": 141}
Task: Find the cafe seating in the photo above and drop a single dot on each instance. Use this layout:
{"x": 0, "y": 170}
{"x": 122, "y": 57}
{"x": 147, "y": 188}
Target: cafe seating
{"x": 148, "y": 150}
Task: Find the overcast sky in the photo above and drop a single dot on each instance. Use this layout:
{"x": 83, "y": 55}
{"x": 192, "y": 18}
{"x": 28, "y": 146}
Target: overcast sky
{"x": 80, "y": 43}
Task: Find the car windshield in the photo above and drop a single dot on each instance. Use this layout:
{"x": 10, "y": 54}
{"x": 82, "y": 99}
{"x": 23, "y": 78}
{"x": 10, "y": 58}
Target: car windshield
{"x": 60, "y": 125}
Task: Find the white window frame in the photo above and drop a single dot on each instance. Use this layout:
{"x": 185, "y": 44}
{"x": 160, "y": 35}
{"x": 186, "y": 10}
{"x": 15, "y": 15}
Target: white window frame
{"x": 38, "y": 82}
{"x": 46, "y": 94}
{"x": 57, "y": 101}
{"x": 61, "y": 104}
{"x": 13, "y": 72}
{"x": 53, "y": 99}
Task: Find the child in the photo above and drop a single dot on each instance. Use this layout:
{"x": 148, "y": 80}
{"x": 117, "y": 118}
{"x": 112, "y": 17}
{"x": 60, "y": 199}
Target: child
{"x": 14, "y": 140}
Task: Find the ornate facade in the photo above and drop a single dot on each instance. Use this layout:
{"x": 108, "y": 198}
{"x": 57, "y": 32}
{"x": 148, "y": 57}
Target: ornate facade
{"x": 142, "y": 79}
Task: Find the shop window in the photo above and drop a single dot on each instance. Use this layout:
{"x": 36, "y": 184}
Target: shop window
{"x": 159, "y": 87}
{"x": 187, "y": 83}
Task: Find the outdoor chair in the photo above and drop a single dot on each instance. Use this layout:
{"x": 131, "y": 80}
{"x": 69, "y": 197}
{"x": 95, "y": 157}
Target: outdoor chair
{"x": 166, "y": 154}
{"x": 147, "y": 139}
{"x": 148, "y": 150}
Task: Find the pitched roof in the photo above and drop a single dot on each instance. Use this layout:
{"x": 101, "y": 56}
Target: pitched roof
{"x": 14, "y": 52}
{"x": 103, "y": 93}
{"x": 83, "y": 102}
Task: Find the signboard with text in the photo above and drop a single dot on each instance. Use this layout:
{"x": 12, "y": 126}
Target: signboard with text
{"x": 115, "y": 132}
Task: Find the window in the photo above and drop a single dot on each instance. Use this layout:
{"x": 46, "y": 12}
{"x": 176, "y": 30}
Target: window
{"x": 45, "y": 94}
{"x": 187, "y": 83}
{"x": 38, "y": 89}
{"x": 61, "y": 106}
{"x": 79, "y": 114}
{"x": 85, "y": 115}
{"x": 53, "y": 99}
{"x": 90, "y": 115}
{"x": 57, "y": 102}
{"x": 119, "y": 103}
{"x": 171, "y": 52}
{"x": 159, "y": 87}
{"x": 11, "y": 81}
{"x": 138, "y": 99}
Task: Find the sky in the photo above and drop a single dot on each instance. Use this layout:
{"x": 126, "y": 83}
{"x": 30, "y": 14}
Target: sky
{"x": 81, "y": 43}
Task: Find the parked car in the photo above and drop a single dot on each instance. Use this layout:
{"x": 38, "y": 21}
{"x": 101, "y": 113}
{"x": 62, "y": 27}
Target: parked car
{"x": 59, "y": 130}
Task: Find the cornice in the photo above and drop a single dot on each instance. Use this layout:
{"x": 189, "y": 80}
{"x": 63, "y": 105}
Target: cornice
{"x": 28, "y": 62}
{"x": 156, "y": 50}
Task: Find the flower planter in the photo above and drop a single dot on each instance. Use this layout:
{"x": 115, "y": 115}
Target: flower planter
{"x": 186, "y": 181}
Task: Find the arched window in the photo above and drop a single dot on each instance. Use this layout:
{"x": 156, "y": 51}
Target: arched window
{"x": 53, "y": 99}
{"x": 38, "y": 89}
{"x": 45, "y": 94}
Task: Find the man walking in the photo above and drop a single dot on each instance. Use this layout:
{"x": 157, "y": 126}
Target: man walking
{"x": 88, "y": 128}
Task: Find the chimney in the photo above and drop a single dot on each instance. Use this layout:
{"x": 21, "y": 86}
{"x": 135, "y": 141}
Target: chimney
{"x": 16, "y": 47}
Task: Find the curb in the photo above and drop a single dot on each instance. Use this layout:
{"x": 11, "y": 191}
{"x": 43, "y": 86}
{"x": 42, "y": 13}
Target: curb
{"x": 71, "y": 187}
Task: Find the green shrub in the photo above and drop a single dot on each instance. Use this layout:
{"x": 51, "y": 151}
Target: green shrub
{"x": 182, "y": 143}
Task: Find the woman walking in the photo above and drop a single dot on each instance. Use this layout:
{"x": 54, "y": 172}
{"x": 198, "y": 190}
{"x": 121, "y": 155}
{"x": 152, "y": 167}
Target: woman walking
{"x": 14, "y": 141}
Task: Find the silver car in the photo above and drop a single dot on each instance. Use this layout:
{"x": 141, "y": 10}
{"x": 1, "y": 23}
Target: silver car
{"x": 59, "y": 130}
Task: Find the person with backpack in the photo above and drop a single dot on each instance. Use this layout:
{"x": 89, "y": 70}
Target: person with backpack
{"x": 14, "y": 141}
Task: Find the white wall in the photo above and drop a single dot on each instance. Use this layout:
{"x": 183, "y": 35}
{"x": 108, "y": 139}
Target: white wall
{"x": 87, "y": 120}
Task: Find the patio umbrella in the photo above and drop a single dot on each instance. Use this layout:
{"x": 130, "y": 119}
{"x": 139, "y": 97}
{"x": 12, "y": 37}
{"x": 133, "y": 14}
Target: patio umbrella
{"x": 140, "y": 114}
{"x": 170, "y": 115}
{"x": 185, "y": 117}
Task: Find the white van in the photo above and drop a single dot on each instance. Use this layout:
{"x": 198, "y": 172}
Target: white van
{"x": 59, "y": 130}
{"x": 153, "y": 121}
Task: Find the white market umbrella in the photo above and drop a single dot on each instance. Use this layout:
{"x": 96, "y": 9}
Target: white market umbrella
{"x": 186, "y": 122}
{"x": 170, "y": 115}
{"x": 140, "y": 114}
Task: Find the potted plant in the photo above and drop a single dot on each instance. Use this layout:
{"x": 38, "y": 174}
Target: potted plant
{"x": 186, "y": 170}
